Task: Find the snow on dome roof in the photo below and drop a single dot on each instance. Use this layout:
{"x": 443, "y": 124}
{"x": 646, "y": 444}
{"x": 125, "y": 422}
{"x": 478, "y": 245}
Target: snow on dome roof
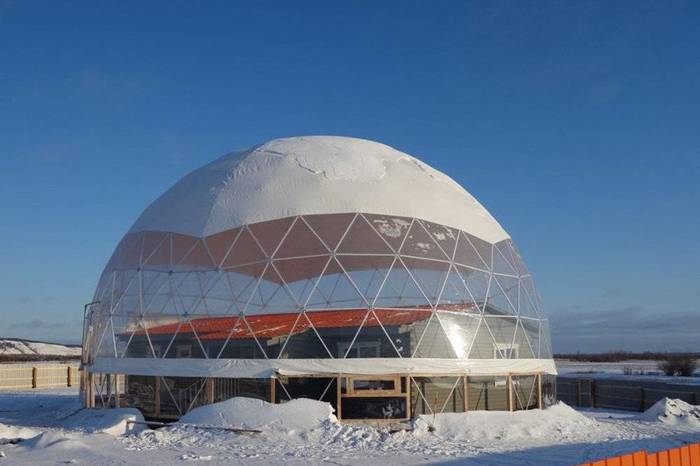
{"x": 314, "y": 175}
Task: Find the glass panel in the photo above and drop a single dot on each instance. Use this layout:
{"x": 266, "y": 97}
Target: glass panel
{"x": 400, "y": 290}
{"x": 269, "y": 234}
{"x": 220, "y": 244}
{"x": 140, "y": 393}
{"x": 299, "y": 242}
{"x": 503, "y": 331}
{"x": 330, "y": 227}
{"x": 244, "y": 251}
{"x": 386, "y": 407}
{"x": 430, "y": 276}
{"x": 392, "y": 229}
{"x": 524, "y": 392}
{"x": 334, "y": 290}
{"x": 156, "y": 250}
{"x": 238, "y": 342}
{"x": 271, "y": 296}
{"x": 359, "y": 385}
{"x": 444, "y": 237}
{"x": 440, "y": 395}
{"x": 433, "y": 342}
{"x": 461, "y": 330}
{"x": 371, "y": 341}
{"x": 522, "y": 338}
{"x": 362, "y": 239}
{"x": 367, "y": 272}
{"x": 467, "y": 255}
{"x": 419, "y": 243}
{"x": 271, "y": 330}
{"x": 300, "y": 275}
{"x": 487, "y": 393}
{"x": 404, "y": 327}
{"x": 226, "y": 388}
{"x": 303, "y": 342}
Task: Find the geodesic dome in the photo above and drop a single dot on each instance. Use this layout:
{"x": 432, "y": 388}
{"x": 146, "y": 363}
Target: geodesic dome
{"x": 316, "y": 255}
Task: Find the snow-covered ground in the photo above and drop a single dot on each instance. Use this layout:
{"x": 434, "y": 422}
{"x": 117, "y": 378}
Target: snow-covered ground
{"x": 56, "y": 431}
{"x": 628, "y": 370}
{"x": 24, "y": 347}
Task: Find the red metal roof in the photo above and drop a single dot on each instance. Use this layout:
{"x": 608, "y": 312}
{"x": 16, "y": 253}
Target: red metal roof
{"x": 277, "y": 325}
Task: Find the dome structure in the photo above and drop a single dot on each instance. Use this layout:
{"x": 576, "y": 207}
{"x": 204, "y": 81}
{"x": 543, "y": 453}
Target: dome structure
{"x": 327, "y": 267}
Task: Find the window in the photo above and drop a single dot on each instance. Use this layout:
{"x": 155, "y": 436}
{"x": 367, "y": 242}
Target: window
{"x": 360, "y": 349}
{"x": 183, "y": 351}
{"x": 505, "y": 351}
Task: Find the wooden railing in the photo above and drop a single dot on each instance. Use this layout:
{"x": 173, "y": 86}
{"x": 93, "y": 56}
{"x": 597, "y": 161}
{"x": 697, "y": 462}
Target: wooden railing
{"x": 688, "y": 455}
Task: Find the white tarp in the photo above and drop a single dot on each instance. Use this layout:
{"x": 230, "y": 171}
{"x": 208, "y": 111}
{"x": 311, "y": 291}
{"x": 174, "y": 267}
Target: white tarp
{"x": 314, "y": 175}
{"x": 266, "y": 368}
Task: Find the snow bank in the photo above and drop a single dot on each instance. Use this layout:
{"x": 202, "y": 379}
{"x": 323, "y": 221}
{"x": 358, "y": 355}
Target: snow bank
{"x": 558, "y": 421}
{"x": 109, "y": 421}
{"x": 12, "y": 432}
{"x": 295, "y": 415}
{"x": 13, "y": 347}
{"x": 673, "y": 412}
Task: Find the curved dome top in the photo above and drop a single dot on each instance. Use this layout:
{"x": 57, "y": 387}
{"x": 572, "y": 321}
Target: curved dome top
{"x": 314, "y": 175}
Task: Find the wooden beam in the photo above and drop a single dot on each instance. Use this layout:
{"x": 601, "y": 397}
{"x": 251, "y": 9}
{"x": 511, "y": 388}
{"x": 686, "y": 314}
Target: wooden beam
{"x": 339, "y": 399}
{"x": 510, "y": 392}
{"x": 540, "y": 403}
{"x": 210, "y": 390}
{"x": 273, "y": 387}
{"x": 466, "y": 393}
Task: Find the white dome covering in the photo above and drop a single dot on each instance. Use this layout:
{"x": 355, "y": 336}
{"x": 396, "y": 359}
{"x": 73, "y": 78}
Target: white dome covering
{"x": 314, "y": 175}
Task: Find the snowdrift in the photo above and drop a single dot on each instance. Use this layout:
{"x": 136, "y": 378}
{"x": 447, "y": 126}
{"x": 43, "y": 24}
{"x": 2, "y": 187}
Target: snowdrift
{"x": 559, "y": 420}
{"x": 673, "y": 412}
{"x": 109, "y": 421}
{"x": 249, "y": 413}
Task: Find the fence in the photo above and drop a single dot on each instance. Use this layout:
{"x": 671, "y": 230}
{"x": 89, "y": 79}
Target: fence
{"x": 632, "y": 395}
{"x": 18, "y": 376}
{"x": 688, "y": 455}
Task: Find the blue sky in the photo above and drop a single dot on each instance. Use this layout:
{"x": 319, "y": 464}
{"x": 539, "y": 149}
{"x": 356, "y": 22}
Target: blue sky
{"x": 574, "y": 123}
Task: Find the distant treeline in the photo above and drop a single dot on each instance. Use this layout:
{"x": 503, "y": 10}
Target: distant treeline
{"x": 617, "y": 356}
{"x": 36, "y": 357}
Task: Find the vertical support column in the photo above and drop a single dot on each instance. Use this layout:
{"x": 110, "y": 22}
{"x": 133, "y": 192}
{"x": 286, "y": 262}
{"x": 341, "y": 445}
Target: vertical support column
{"x": 109, "y": 389}
{"x": 466, "y": 393}
{"x": 210, "y": 390}
{"x": 116, "y": 391}
{"x": 69, "y": 381}
{"x": 510, "y": 392}
{"x": 157, "y": 396}
{"x": 273, "y": 386}
{"x": 339, "y": 399}
{"x": 34, "y": 377}
{"x": 578, "y": 393}
{"x": 540, "y": 402}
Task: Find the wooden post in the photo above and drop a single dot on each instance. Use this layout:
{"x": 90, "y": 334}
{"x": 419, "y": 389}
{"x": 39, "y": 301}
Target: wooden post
{"x": 578, "y": 393}
{"x": 34, "y": 377}
{"x": 339, "y": 399}
{"x": 210, "y": 390}
{"x": 116, "y": 390}
{"x": 509, "y": 385}
{"x": 69, "y": 382}
{"x": 466, "y": 393}
{"x": 540, "y": 402}
{"x": 157, "y": 396}
{"x": 273, "y": 386}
